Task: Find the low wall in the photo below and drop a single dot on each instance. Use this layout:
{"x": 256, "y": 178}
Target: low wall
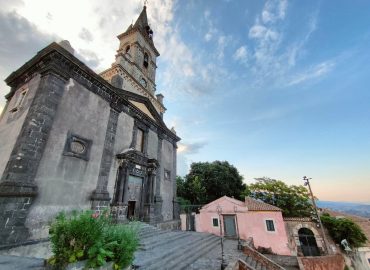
{"x": 285, "y": 261}
{"x": 263, "y": 260}
{"x": 170, "y": 225}
{"x": 332, "y": 262}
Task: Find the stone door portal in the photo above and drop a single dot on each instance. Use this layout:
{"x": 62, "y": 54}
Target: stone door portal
{"x": 308, "y": 242}
{"x": 134, "y": 188}
{"x": 229, "y": 224}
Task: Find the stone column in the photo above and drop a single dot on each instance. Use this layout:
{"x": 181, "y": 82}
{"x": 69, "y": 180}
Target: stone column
{"x": 100, "y": 197}
{"x": 152, "y": 173}
{"x": 158, "y": 198}
{"x": 176, "y": 207}
{"x": 119, "y": 207}
{"x": 17, "y": 187}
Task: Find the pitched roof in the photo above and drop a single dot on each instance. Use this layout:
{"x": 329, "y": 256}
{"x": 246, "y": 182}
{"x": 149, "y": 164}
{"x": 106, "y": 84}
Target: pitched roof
{"x": 142, "y": 21}
{"x": 255, "y": 205}
{"x": 250, "y": 204}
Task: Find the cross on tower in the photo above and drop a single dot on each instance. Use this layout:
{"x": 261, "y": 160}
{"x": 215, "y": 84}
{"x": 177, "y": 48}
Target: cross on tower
{"x": 145, "y": 2}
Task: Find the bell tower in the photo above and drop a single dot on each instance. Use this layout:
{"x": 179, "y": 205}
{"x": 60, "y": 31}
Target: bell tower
{"x": 135, "y": 66}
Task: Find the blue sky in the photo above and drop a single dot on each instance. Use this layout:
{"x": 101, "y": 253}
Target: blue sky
{"x": 277, "y": 88}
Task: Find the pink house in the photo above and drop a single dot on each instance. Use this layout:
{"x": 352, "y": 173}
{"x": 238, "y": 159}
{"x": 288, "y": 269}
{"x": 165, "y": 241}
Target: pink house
{"x": 251, "y": 218}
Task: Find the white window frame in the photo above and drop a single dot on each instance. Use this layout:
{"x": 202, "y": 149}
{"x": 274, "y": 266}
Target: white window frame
{"x": 218, "y": 220}
{"x": 265, "y": 225}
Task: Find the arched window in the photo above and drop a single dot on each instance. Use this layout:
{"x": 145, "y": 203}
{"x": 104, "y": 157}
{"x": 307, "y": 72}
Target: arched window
{"x": 127, "y": 48}
{"x": 146, "y": 60}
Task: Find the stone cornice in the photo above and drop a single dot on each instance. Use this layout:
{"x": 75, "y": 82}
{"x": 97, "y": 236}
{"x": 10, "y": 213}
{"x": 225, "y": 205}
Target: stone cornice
{"x": 56, "y": 59}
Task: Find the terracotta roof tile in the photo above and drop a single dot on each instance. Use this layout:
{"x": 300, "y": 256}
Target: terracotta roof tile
{"x": 255, "y": 205}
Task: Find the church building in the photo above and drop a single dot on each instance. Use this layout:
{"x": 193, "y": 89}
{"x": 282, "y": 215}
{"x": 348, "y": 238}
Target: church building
{"x": 72, "y": 139}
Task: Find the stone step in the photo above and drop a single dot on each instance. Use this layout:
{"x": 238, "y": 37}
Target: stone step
{"x": 187, "y": 258}
{"x": 144, "y": 259}
{"x": 148, "y": 234}
{"x": 178, "y": 255}
{"x": 162, "y": 240}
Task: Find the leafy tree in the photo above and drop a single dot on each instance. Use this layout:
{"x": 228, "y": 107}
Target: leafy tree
{"x": 208, "y": 181}
{"x": 180, "y": 184}
{"x": 293, "y": 200}
{"x": 344, "y": 228}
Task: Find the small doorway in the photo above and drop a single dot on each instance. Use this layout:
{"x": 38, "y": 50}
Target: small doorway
{"x": 229, "y": 224}
{"x": 308, "y": 242}
{"x": 131, "y": 210}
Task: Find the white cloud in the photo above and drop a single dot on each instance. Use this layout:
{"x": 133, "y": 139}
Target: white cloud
{"x": 274, "y": 10}
{"x": 212, "y": 31}
{"x": 190, "y": 148}
{"x": 268, "y": 61}
{"x": 312, "y": 73}
{"x": 241, "y": 54}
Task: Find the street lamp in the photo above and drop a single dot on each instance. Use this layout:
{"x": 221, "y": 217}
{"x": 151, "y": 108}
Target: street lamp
{"x": 307, "y": 183}
{"x": 223, "y": 263}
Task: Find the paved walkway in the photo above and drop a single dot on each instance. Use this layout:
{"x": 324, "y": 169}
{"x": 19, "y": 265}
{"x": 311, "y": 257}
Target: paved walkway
{"x": 20, "y": 263}
{"x": 212, "y": 261}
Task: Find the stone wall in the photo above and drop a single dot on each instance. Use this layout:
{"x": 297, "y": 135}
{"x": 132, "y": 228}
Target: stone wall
{"x": 17, "y": 187}
{"x": 292, "y": 227}
{"x": 66, "y": 182}
{"x": 285, "y": 261}
{"x": 11, "y": 121}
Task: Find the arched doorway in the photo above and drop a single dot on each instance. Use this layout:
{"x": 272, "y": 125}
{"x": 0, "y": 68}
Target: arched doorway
{"x": 308, "y": 242}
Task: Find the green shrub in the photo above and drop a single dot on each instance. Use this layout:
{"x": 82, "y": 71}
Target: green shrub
{"x": 88, "y": 236}
{"x": 344, "y": 228}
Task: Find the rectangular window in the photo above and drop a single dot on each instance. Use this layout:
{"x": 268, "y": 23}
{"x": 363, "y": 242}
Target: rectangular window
{"x": 215, "y": 222}
{"x": 270, "y": 225}
{"x": 140, "y": 140}
{"x": 19, "y": 100}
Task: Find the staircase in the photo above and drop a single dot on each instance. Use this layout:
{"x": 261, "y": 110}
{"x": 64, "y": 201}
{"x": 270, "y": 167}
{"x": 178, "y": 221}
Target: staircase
{"x": 257, "y": 261}
{"x": 254, "y": 264}
{"x": 160, "y": 249}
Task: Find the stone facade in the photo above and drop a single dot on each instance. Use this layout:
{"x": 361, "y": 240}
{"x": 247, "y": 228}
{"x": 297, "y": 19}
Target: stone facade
{"x": 69, "y": 139}
{"x": 293, "y": 225}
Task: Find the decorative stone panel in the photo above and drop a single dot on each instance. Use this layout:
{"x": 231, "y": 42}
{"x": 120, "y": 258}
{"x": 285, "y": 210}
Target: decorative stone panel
{"x": 77, "y": 146}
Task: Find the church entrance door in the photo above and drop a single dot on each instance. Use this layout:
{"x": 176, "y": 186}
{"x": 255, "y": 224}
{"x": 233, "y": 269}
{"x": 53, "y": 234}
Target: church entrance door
{"x": 131, "y": 209}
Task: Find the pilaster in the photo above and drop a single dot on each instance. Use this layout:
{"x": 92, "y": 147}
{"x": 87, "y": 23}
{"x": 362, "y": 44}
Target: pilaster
{"x": 17, "y": 187}
{"x": 100, "y": 197}
{"x": 158, "y": 198}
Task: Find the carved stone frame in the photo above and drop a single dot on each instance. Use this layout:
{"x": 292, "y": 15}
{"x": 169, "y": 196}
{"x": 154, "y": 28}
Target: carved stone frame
{"x": 73, "y": 138}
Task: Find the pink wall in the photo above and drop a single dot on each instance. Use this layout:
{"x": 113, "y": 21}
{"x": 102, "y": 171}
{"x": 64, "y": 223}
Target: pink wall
{"x": 250, "y": 224}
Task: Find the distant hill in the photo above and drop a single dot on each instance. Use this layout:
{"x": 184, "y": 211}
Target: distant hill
{"x": 357, "y": 209}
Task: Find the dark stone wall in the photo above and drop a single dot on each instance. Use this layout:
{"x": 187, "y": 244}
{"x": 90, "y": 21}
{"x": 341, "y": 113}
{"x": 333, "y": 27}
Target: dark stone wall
{"x": 17, "y": 187}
